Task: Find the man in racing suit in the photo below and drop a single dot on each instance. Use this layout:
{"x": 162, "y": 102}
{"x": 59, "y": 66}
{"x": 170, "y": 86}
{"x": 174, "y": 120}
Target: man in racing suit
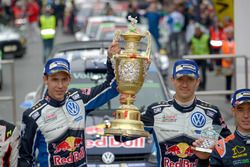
{"x": 9, "y": 141}
{"x": 235, "y": 149}
{"x": 55, "y": 125}
{"x": 178, "y": 122}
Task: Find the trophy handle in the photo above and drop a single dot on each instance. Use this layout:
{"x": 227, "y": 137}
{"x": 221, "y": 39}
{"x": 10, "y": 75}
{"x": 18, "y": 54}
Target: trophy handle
{"x": 147, "y": 34}
{"x": 117, "y": 36}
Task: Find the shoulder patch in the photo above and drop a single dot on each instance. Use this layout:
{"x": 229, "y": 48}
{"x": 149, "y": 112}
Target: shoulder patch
{"x": 209, "y": 109}
{"x": 86, "y": 91}
{"x": 37, "y": 105}
{"x": 221, "y": 145}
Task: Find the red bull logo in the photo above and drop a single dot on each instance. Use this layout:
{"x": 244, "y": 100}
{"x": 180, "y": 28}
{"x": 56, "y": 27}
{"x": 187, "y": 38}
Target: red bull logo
{"x": 181, "y": 150}
{"x": 111, "y": 143}
{"x": 180, "y": 163}
{"x": 73, "y": 157}
{"x": 69, "y": 144}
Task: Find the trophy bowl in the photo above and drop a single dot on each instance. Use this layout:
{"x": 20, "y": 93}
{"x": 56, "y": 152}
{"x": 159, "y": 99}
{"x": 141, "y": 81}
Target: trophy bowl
{"x": 130, "y": 67}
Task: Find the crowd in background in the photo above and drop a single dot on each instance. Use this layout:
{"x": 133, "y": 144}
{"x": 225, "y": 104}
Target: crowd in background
{"x": 179, "y": 27}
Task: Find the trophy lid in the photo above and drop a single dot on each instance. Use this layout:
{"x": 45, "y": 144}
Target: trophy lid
{"x": 132, "y": 34}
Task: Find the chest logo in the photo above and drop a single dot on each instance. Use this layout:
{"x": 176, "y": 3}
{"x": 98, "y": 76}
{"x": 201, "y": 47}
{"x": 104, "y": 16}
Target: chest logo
{"x": 239, "y": 151}
{"x": 72, "y": 108}
{"x": 198, "y": 119}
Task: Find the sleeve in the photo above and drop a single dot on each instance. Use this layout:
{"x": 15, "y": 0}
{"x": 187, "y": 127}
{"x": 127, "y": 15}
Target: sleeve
{"x": 15, "y": 139}
{"x": 147, "y": 117}
{"x": 215, "y": 160}
{"x": 27, "y": 143}
{"x": 218, "y": 120}
{"x": 101, "y": 94}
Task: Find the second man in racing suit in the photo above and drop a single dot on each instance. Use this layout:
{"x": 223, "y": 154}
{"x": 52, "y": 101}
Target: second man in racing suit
{"x": 234, "y": 151}
{"x": 178, "y": 122}
{"x": 55, "y": 125}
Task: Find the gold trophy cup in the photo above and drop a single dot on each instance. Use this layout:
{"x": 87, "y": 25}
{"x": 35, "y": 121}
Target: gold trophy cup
{"x": 130, "y": 69}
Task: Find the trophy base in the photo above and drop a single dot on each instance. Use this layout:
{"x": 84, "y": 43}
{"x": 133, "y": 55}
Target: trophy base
{"x": 127, "y": 128}
{"x": 206, "y": 150}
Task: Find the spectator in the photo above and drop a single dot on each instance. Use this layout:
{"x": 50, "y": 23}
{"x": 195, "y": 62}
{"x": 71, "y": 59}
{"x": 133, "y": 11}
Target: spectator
{"x": 176, "y": 36}
{"x": 59, "y": 11}
{"x": 33, "y": 18}
{"x": 153, "y": 17}
{"x": 200, "y": 46}
{"x": 55, "y": 125}
{"x": 9, "y": 141}
{"x": 235, "y": 149}
{"x": 19, "y": 14}
{"x": 108, "y": 10}
{"x": 3, "y": 17}
{"x": 217, "y": 35}
{"x": 47, "y": 24}
{"x": 228, "y": 47}
{"x": 72, "y": 15}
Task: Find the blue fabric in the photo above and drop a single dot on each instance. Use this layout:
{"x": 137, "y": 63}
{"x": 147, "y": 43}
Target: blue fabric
{"x": 55, "y": 65}
{"x": 240, "y": 96}
{"x": 185, "y": 67}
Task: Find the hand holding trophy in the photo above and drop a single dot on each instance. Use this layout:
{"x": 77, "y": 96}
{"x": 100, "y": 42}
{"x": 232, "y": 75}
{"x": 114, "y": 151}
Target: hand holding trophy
{"x": 130, "y": 69}
{"x": 209, "y": 138}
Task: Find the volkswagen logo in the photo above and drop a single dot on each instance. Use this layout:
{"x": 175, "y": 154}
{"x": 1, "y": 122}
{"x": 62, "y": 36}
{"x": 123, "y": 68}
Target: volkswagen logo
{"x": 72, "y": 108}
{"x": 198, "y": 119}
{"x": 108, "y": 157}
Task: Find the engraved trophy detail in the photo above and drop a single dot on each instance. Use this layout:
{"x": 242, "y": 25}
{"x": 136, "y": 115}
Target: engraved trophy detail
{"x": 130, "y": 68}
{"x": 210, "y": 137}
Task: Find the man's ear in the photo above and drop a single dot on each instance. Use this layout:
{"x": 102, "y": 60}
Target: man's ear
{"x": 233, "y": 111}
{"x": 45, "y": 79}
{"x": 198, "y": 81}
{"x": 172, "y": 80}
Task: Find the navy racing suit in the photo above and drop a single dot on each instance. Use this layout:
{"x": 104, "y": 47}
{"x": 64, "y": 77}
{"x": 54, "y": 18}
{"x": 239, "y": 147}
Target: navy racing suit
{"x": 9, "y": 141}
{"x": 231, "y": 151}
{"x": 176, "y": 127}
{"x": 56, "y": 128}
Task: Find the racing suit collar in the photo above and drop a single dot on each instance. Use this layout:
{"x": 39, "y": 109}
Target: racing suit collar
{"x": 184, "y": 109}
{"x": 245, "y": 138}
{"x": 53, "y": 102}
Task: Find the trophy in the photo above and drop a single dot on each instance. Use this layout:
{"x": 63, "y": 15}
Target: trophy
{"x": 210, "y": 136}
{"x": 130, "y": 68}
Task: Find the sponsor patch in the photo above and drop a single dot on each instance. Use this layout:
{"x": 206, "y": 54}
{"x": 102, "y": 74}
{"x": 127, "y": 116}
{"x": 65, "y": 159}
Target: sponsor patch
{"x": 72, "y": 108}
{"x": 239, "y": 151}
{"x": 86, "y": 91}
{"x": 35, "y": 115}
{"x": 181, "y": 150}
{"x": 50, "y": 116}
{"x": 76, "y": 96}
{"x": 157, "y": 110}
{"x": 198, "y": 119}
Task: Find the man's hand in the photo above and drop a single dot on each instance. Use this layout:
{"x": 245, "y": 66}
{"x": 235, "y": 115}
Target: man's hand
{"x": 199, "y": 154}
{"x": 113, "y": 49}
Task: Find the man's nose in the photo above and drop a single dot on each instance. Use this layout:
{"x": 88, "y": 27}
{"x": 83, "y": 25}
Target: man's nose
{"x": 60, "y": 84}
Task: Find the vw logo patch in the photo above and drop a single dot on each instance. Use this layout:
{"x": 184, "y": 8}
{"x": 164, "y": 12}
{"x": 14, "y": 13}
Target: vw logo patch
{"x": 72, "y": 108}
{"x": 198, "y": 119}
{"x": 108, "y": 157}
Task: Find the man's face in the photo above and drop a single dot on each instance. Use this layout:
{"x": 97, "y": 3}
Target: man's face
{"x": 185, "y": 88}
{"x": 241, "y": 113}
{"x": 57, "y": 84}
